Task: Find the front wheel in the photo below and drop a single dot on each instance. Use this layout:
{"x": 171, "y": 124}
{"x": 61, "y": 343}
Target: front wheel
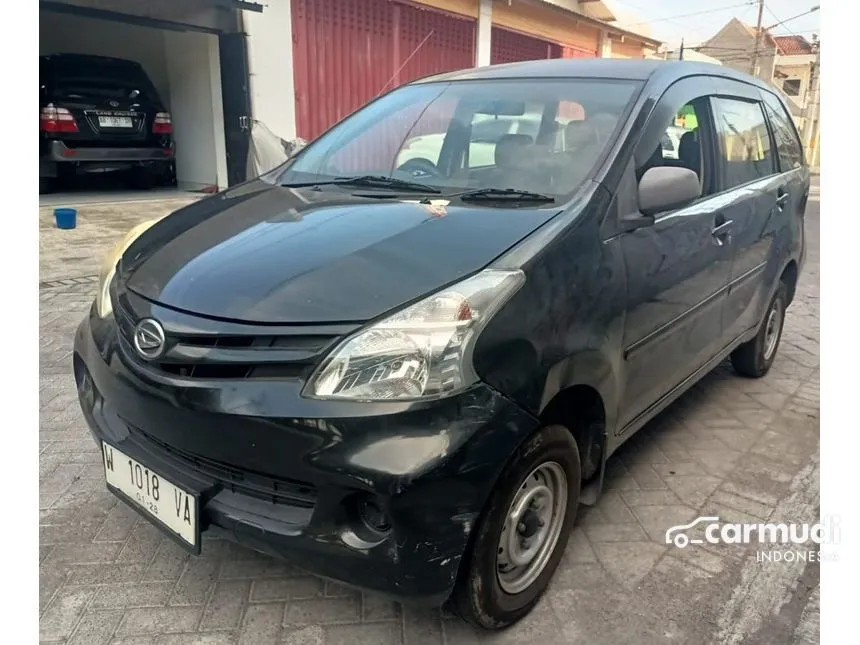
{"x": 523, "y": 533}
{"x": 754, "y": 358}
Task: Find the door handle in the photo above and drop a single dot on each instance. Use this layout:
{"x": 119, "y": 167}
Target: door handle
{"x": 781, "y": 199}
{"x": 722, "y": 231}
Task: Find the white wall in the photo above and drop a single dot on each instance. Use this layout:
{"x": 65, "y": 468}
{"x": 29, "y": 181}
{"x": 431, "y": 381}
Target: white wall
{"x": 64, "y": 33}
{"x": 270, "y": 66}
{"x": 194, "y": 75}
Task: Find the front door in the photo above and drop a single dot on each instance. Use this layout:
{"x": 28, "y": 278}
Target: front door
{"x": 236, "y": 97}
{"x": 677, "y": 269}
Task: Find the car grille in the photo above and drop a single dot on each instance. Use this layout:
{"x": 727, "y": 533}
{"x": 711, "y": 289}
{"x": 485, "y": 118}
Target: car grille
{"x": 252, "y": 352}
{"x": 242, "y": 482}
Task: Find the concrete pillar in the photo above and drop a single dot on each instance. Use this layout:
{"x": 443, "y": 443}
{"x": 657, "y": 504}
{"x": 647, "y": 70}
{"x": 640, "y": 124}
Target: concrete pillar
{"x": 604, "y": 45}
{"x": 270, "y": 67}
{"x": 483, "y": 42}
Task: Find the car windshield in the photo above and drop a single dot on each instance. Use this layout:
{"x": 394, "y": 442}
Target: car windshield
{"x": 464, "y": 135}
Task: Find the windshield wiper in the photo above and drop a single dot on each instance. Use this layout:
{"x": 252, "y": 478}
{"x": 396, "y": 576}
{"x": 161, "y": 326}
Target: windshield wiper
{"x": 370, "y": 181}
{"x": 513, "y": 194}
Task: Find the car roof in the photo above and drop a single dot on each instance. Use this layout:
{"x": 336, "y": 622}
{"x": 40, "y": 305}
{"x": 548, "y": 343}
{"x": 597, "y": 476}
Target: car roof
{"x": 659, "y": 71}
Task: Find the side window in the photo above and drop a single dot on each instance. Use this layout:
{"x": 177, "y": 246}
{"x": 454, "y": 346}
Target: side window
{"x": 744, "y": 141}
{"x": 784, "y": 133}
{"x": 681, "y": 144}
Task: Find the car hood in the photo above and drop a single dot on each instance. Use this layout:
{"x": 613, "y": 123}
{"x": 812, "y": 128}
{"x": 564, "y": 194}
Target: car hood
{"x": 269, "y": 254}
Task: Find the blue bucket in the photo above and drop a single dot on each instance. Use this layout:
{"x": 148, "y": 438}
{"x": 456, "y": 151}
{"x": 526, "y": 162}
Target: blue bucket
{"x": 66, "y": 217}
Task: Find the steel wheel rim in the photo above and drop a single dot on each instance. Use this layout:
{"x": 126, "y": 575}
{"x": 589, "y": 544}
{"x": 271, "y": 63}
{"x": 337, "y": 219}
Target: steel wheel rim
{"x": 532, "y": 527}
{"x": 771, "y": 330}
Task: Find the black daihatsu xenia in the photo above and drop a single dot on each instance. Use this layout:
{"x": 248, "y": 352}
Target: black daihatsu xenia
{"x": 402, "y": 358}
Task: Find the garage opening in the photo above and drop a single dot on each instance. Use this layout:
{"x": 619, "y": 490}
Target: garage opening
{"x": 134, "y": 103}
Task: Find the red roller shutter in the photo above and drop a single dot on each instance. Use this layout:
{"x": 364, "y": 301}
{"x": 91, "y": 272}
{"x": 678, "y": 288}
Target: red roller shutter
{"x": 341, "y": 56}
{"x": 511, "y": 47}
{"x": 437, "y": 42}
{"x": 347, "y": 53}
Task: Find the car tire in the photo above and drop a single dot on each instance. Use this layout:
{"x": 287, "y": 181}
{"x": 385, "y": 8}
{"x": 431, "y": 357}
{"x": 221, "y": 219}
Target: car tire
{"x": 492, "y": 592}
{"x": 46, "y": 185}
{"x": 754, "y": 358}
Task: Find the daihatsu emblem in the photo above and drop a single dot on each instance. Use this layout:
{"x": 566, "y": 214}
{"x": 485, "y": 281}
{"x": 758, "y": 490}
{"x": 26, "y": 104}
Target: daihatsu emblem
{"x": 149, "y": 339}
{"x": 114, "y": 103}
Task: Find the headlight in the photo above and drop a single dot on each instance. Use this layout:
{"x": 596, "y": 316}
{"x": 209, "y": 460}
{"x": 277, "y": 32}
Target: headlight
{"x": 104, "y": 308}
{"x": 421, "y": 352}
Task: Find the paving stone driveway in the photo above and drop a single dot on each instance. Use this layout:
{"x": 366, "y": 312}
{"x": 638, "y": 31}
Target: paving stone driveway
{"x": 739, "y": 449}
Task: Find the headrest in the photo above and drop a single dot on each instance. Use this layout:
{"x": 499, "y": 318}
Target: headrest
{"x": 509, "y": 146}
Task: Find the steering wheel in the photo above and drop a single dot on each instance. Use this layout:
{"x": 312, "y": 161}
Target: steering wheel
{"x": 419, "y": 167}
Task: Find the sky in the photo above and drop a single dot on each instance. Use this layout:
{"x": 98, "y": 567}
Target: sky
{"x": 670, "y": 20}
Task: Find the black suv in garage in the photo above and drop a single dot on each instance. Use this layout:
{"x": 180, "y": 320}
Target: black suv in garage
{"x": 99, "y": 114}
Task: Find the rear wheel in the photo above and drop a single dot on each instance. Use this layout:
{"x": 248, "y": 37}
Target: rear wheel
{"x": 523, "y": 532}
{"x": 754, "y": 358}
{"x": 46, "y": 185}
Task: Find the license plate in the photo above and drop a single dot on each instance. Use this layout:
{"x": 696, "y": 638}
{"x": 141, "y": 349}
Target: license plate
{"x": 162, "y": 501}
{"x": 115, "y": 122}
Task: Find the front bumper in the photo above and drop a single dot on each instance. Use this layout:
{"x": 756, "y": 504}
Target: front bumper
{"x": 282, "y": 485}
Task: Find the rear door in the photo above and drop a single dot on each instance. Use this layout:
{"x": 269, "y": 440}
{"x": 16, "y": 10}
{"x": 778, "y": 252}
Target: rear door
{"x": 756, "y": 201}
{"x": 792, "y": 166}
{"x": 677, "y": 269}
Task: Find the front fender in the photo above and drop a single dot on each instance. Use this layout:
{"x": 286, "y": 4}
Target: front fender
{"x": 593, "y": 368}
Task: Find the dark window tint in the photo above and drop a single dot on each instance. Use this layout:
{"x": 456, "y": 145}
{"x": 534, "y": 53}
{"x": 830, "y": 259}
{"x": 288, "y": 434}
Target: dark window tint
{"x": 784, "y": 133}
{"x": 791, "y": 86}
{"x": 744, "y": 141}
{"x": 77, "y": 77}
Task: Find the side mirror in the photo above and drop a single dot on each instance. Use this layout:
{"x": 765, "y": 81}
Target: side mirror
{"x": 666, "y": 188}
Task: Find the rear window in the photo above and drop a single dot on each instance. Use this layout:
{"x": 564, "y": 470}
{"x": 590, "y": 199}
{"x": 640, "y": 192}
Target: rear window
{"x": 88, "y": 77}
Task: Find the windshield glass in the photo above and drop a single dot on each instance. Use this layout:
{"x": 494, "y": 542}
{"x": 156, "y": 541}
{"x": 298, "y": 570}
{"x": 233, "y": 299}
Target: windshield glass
{"x": 473, "y": 134}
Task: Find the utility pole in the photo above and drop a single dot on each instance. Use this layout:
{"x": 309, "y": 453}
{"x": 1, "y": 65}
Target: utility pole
{"x": 758, "y": 34}
{"x": 813, "y": 103}
{"x": 681, "y": 53}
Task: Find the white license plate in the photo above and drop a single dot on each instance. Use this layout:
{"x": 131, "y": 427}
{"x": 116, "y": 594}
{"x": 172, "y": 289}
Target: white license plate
{"x": 115, "y": 122}
{"x": 166, "y": 503}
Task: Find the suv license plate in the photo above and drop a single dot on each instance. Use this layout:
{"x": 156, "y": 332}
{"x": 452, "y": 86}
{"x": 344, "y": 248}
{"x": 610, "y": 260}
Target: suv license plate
{"x": 115, "y": 122}
{"x": 161, "y": 501}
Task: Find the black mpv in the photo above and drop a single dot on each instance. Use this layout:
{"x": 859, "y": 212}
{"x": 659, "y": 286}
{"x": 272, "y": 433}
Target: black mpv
{"x": 402, "y": 359}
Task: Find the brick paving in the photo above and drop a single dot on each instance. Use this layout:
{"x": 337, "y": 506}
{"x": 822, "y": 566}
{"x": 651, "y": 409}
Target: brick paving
{"x": 743, "y": 450}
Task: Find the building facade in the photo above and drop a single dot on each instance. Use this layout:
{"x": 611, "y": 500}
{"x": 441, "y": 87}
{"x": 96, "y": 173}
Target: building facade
{"x": 312, "y": 62}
